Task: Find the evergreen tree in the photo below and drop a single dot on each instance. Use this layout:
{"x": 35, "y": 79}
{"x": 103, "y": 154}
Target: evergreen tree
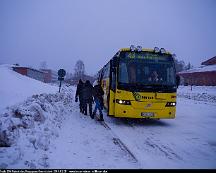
{"x": 43, "y": 65}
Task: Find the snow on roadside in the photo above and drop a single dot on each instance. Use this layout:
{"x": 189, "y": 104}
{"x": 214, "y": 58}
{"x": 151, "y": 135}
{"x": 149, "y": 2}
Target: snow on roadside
{"x": 198, "y": 93}
{"x": 27, "y": 128}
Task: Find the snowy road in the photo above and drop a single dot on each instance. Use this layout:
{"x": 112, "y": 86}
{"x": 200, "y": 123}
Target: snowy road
{"x": 185, "y": 142}
{"x": 189, "y": 141}
{"x": 85, "y": 143}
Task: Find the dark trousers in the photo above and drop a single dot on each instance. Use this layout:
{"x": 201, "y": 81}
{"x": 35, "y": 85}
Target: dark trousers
{"x": 81, "y": 105}
{"x": 87, "y": 104}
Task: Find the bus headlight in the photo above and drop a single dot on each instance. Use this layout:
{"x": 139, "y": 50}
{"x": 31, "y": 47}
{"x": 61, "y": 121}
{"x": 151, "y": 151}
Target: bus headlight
{"x": 139, "y": 48}
{"x": 170, "y": 104}
{"x": 156, "y": 50}
{"x": 162, "y": 50}
{"x": 132, "y": 48}
{"x": 123, "y": 102}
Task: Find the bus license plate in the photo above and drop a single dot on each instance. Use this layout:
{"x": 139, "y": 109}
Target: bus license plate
{"x": 147, "y": 114}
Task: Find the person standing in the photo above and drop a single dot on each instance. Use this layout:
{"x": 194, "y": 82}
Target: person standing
{"x": 177, "y": 80}
{"x": 79, "y": 93}
{"x": 154, "y": 77}
{"x": 98, "y": 98}
{"x": 87, "y": 97}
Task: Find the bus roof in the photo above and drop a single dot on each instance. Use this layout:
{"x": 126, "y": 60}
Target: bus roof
{"x": 143, "y": 49}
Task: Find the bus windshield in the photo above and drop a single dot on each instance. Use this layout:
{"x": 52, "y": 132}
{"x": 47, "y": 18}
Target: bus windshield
{"x": 146, "y": 69}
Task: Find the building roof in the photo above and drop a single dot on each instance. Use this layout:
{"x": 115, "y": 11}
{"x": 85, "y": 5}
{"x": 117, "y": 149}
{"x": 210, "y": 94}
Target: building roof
{"x": 203, "y": 68}
{"x": 210, "y": 61}
{"x": 18, "y": 67}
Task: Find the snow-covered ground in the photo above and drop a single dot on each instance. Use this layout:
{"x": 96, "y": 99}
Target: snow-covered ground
{"x": 15, "y": 88}
{"x": 40, "y": 129}
{"x": 198, "y": 93}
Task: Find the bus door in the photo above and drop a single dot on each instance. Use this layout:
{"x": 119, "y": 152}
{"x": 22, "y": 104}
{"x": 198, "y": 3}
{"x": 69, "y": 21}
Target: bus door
{"x": 112, "y": 91}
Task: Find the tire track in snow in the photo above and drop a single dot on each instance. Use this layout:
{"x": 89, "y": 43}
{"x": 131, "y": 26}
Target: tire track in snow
{"x": 119, "y": 142}
{"x": 164, "y": 149}
{"x": 128, "y": 147}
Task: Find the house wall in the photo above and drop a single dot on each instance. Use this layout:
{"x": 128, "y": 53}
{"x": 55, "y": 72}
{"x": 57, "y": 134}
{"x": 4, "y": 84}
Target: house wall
{"x": 207, "y": 78}
{"x": 21, "y": 70}
{"x": 36, "y": 74}
{"x": 50, "y": 75}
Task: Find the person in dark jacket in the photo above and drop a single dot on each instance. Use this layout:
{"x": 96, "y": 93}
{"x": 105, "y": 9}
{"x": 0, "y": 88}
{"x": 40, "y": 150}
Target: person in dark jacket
{"x": 87, "y": 97}
{"x": 177, "y": 80}
{"x": 98, "y": 98}
{"x": 79, "y": 93}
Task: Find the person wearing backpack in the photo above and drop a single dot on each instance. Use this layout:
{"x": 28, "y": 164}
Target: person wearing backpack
{"x": 87, "y": 97}
{"x": 98, "y": 98}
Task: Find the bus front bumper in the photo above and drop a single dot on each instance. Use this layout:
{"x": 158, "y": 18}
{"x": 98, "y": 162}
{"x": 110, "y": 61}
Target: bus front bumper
{"x": 127, "y": 111}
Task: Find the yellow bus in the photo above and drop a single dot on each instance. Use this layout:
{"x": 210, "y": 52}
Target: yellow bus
{"x": 139, "y": 83}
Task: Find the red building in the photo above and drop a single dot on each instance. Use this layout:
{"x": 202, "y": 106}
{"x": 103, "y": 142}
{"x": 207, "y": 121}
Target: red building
{"x": 49, "y": 75}
{"x": 30, "y": 72}
{"x": 204, "y": 75}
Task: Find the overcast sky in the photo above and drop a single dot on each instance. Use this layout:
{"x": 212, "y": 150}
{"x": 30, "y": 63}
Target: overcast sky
{"x": 61, "y": 32}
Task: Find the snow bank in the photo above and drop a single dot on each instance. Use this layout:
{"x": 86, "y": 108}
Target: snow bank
{"x": 198, "y": 93}
{"x": 27, "y": 128}
{"x": 30, "y": 114}
{"x": 15, "y": 87}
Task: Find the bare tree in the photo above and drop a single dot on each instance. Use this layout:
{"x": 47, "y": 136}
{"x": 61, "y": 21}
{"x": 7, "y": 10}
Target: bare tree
{"x": 188, "y": 66}
{"x": 180, "y": 65}
{"x": 43, "y": 65}
{"x": 79, "y": 69}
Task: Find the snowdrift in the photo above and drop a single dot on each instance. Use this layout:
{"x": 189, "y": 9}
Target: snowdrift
{"x": 28, "y": 127}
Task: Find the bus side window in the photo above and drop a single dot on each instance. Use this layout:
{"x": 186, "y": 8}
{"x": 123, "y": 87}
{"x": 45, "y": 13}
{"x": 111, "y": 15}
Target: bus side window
{"x": 123, "y": 73}
{"x": 113, "y": 82}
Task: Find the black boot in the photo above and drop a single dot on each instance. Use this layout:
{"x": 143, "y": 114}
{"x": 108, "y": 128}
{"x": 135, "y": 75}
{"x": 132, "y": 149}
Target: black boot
{"x": 101, "y": 117}
{"x": 92, "y": 115}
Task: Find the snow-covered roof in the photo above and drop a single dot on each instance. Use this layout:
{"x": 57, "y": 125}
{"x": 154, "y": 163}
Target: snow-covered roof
{"x": 202, "y": 68}
{"x": 31, "y": 68}
{"x": 211, "y": 61}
